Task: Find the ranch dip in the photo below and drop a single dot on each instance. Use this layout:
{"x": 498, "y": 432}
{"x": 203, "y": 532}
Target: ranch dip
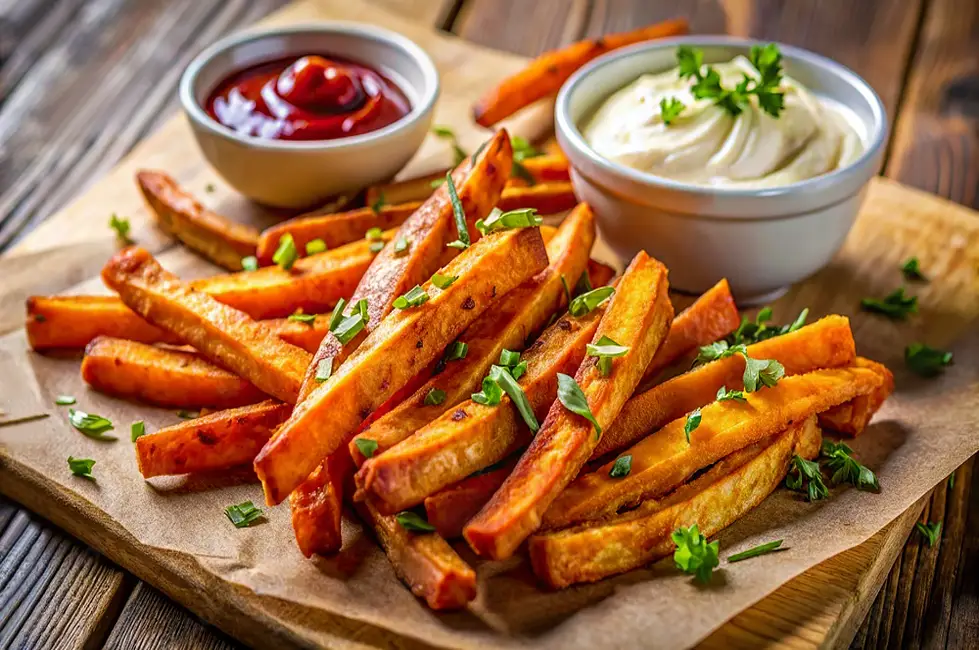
{"x": 706, "y": 145}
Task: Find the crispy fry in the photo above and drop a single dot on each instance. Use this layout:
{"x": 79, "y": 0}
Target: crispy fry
{"x": 547, "y": 198}
{"x": 599, "y": 273}
{"x": 638, "y": 317}
{"x": 713, "y": 501}
{"x": 520, "y": 314}
{"x": 217, "y": 238}
{"x": 55, "y": 322}
{"x": 334, "y": 229}
{"x": 315, "y": 517}
{"x": 853, "y": 417}
{"x": 164, "y": 377}
{"x": 424, "y": 561}
{"x": 544, "y": 75}
{"x": 449, "y": 510}
{"x": 398, "y": 347}
{"x": 218, "y": 441}
{"x": 545, "y": 168}
{"x": 665, "y": 459}
{"x": 827, "y": 343}
{"x": 711, "y": 317}
{"x": 222, "y": 334}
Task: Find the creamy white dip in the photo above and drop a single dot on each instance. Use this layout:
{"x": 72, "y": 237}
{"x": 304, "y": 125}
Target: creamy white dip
{"x": 707, "y": 145}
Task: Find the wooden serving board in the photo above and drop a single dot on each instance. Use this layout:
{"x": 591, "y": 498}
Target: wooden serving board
{"x": 821, "y": 608}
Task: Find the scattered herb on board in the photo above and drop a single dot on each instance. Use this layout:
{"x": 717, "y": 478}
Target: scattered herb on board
{"x": 894, "y": 305}
{"x": 574, "y": 400}
{"x": 621, "y": 467}
{"x": 693, "y": 554}
{"x": 366, "y": 446}
{"x": 414, "y": 522}
{"x": 805, "y": 476}
{"x": 210, "y": 188}
{"x": 81, "y": 467}
{"x": 846, "y": 469}
{"x": 137, "y": 430}
{"x": 93, "y": 426}
{"x": 64, "y": 400}
{"x": 925, "y": 360}
{"x": 286, "y": 254}
{"x": 931, "y": 532}
{"x": 121, "y": 226}
{"x": 755, "y": 551}
{"x": 911, "y": 268}
{"x": 244, "y": 514}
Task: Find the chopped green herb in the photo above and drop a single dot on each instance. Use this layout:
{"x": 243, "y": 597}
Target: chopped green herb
{"x": 337, "y": 315}
{"x": 931, "y": 532}
{"x": 434, "y": 397}
{"x": 286, "y": 254}
{"x": 209, "y": 188}
{"x": 491, "y": 393}
{"x": 448, "y": 134}
{"x": 510, "y": 386}
{"x": 718, "y": 350}
{"x": 805, "y": 476}
{"x": 64, "y": 400}
{"x": 724, "y": 395}
{"x": 509, "y": 358}
{"x": 925, "y": 360}
{"x": 456, "y": 351}
{"x": 691, "y": 423}
{"x": 912, "y": 270}
{"x": 378, "y": 204}
{"x": 588, "y": 301}
{"x": 376, "y": 246}
{"x": 366, "y": 446}
{"x": 522, "y": 149}
{"x": 93, "y": 426}
{"x": 574, "y": 400}
{"x": 244, "y": 514}
{"x": 437, "y": 183}
{"x": 302, "y": 318}
{"x": 415, "y": 297}
{"x": 693, "y": 554}
{"x": 458, "y": 213}
{"x": 414, "y": 522}
{"x": 605, "y": 350}
{"x": 137, "y": 430}
{"x": 951, "y": 480}
{"x": 188, "y": 415}
{"x": 349, "y": 327}
{"x": 443, "y": 281}
{"x": 121, "y": 226}
{"x": 518, "y": 370}
{"x": 846, "y": 469}
{"x": 765, "y": 372}
{"x": 894, "y": 305}
{"x": 373, "y": 234}
{"x": 499, "y": 220}
{"x": 755, "y": 551}
{"x": 81, "y": 466}
{"x": 249, "y": 263}
{"x": 670, "y": 109}
{"x": 401, "y": 246}
{"x": 315, "y": 246}
{"x": 621, "y": 467}
{"x": 766, "y": 59}
{"x": 758, "y": 330}
{"x": 324, "y": 369}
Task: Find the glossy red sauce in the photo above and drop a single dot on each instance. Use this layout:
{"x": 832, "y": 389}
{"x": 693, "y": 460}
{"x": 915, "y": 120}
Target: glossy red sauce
{"x": 310, "y": 98}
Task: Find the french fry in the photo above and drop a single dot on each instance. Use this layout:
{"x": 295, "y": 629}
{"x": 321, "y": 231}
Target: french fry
{"x": 665, "y": 459}
{"x": 164, "y": 377}
{"x": 544, "y": 75}
{"x": 334, "y": 229}
{"x": 520, "y": 314}
{"x": 546, "y": 168}
{"x": 713, "y": 501}
{"x": 548, "y": 198}
{"x": 853, "y": 417}
{"x": 217, "y": 238}
{"x": 398, "y": 347}
{"x": 450, "y": 509}
{"x": 638, "y": 317}
{"x": 424, "y": 561}
{"x": 68, "y": 322}
{"x": 827, "y": 343}
{"x": 472, "y": 436}
{"x": 218, "y": 441}
{"x": 220, "y": 333}
{"x": 315, "y": 515}
{"x": 599, "y": 273}
{"x": 711, "y": 317}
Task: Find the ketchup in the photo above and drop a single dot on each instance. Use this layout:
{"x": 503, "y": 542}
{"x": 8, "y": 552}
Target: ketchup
{"x": 310, "y": 98}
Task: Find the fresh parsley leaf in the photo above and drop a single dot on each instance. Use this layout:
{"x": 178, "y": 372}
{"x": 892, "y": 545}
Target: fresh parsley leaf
{"x": 689, "y": 60}
{"x": 894, "y": 305}
{"x": 414, "y": 522}
{"x": 121, "y": 226}
{"x": 912, "y": 270}
{"x": 724, "y": 395}
{"x": 434, "y": 397}
{"x": 458, "y": 213}
{"x": 499, "y": 220}
{"x": 574, "y": 400}
{"x": 324, "y": 369}
{"x": 249, "y": 263}
{"x": 805, "y": 476}
{"x": 718, "y": 350}
{"x": 81, "y": 467}
{"x": 137, "y": 430}
{"x": 366, "y": 446}
{"x": 605, "y": 350}
{"x": 670, "y": 109}
{"x": 443, "y": 281}
{"x": 522, "y": 149}
{"x": 755, "y": 551}
{"x": 621, "y": 467}
{"x": 64, "y": 400}
{"x": 286, "y": 254}
{"x": 401, "y": 246}
{"x": 315, "y": 246}
{"x": 456, "y": 351}
{"x": 846, "y": 469}
{"x": 707, "y": 81}
{"x": 244, "y": 514}
{"x": 448, "y": 134}
{"x": 93, "y": 426}
{"x": 691, "y": 423}
{"x": 509, "y": 385}
{"x": 587, "y": 302}
{"x": 931, "y": 532}
{"x": 765, "y": 372}
{"x": 379, "y": 203}
{"x": 925, "y": 360}
{"x": 415, "y": 297}
{"x": 693, "y": 554}
{"x": 302, "y": 318}
{"x": 753, "y": 331}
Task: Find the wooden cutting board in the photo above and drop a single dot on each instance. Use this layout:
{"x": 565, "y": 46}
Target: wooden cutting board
{"x": 821, "y": 608}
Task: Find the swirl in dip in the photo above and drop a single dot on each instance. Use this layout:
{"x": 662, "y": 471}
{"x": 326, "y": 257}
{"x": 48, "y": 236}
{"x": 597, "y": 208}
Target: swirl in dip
{"x": 707, "y": 145}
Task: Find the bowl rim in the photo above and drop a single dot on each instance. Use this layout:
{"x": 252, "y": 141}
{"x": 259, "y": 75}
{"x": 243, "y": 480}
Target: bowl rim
{"x": 426, "y": 101}
{"x": 877, "y": 131}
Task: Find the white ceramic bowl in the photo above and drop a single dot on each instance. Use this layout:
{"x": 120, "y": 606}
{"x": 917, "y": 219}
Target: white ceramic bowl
{"x": 761, "y": 240}
{"x": 302, "y": 173}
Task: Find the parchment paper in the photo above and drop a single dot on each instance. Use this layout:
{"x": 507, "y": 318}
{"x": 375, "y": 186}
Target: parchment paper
{"x": 923, "y": 433}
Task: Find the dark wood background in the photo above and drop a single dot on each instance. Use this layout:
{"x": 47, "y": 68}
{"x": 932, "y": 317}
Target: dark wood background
{"x": 82, "y": 81}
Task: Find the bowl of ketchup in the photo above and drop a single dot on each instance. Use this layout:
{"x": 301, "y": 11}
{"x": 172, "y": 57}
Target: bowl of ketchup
{"x": 292, "y": 116}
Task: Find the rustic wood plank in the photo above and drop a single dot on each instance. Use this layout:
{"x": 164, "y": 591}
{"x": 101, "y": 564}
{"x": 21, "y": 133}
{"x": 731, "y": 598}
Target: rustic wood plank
{"x": 526, "y": 28}
{"x": 963, "y": 604}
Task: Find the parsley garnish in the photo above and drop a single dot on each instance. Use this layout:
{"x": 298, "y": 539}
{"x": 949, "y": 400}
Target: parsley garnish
{"x": 805, "y": 474}
{"x": 378, "y": 204}
{"x": 249, "y": 263}
{"x": 64, "y": 400}
{"x": 137, "y": 430}
{"x": 302, "y": 318}
{"x": 693, "y": 554}
{"x": 315, "y": 246}
{"x": 415, "y": 297}
{"x": 522, "y": 150}
{"x": 93, "y": 426}
{"x": 766, "y": 372}
{"x": 912, "y": 270}
{"x": 434, "y": 397}
{"x": 758, "y": 330}
{"x": 458, "y": 213}
{"x": 574, "y": 400}
{"x": 121, "y": 226}
{"x": 373, "y": 234}
{"x": 846, "y": 469}
{"x": 502, "y": 377}
{"x": 605, "y": 350}
{"x": 586, "y": 302}
{"x": 324, "y": 369}
{"x": 244, "y": 514}
{"x": 621, "y": 467}
{"x": 414, "y": 522}
{"x": 366, "y": 446}
{"x": 766, "y": 59}
{"x": 670, "y": 109}
{"x": 286, "y": 254}
{"x": 724, "y": 395}
{"x": 691, "y": 423}
{"x": 755, "y": 551}
{"x": 926, "y": 360}
{"x": 447, "y": 133}
{"x": 81, "y": 467}
{"x": 499, "y": 220}
{"x": 443, "y": 281}
{"x": 931, "y": 532}
{"x": 894, "y": 305}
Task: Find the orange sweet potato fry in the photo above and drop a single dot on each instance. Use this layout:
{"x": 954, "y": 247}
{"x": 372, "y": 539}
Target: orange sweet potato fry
{"x": 546, "y": 198}
{"x": 315, "y": 515}
{"x": 220, "y": 333}
{"x": 520, "y": 314}
{"x": 711, "y": 317}
{"x": 638, "y": 318}
{"x": 334, "y": 229}
{"x": 218, "y": 441}
{"x": 393, "y": 353}
{"x": 424, "y": 561}
{"x": 55, "y": 322}
{"x": 713, "y": 501}
{"x": 853, "y": 417}
{"x": 449, "y": 510}
{"x": 544, "y": 75}
{"x": 217, "y": 238}
{"x": 164, "y": 377}
{"x": 827, "y": 343}
{"x": 665, "y": 459}
{"x": 599, "y": 273}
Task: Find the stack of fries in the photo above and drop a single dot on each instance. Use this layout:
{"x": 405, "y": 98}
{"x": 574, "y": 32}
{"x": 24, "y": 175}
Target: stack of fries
{"x": 453, "y": 372}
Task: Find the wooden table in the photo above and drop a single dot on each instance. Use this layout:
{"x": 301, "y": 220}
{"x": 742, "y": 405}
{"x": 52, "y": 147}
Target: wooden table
{"x": 82, "y": 81}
